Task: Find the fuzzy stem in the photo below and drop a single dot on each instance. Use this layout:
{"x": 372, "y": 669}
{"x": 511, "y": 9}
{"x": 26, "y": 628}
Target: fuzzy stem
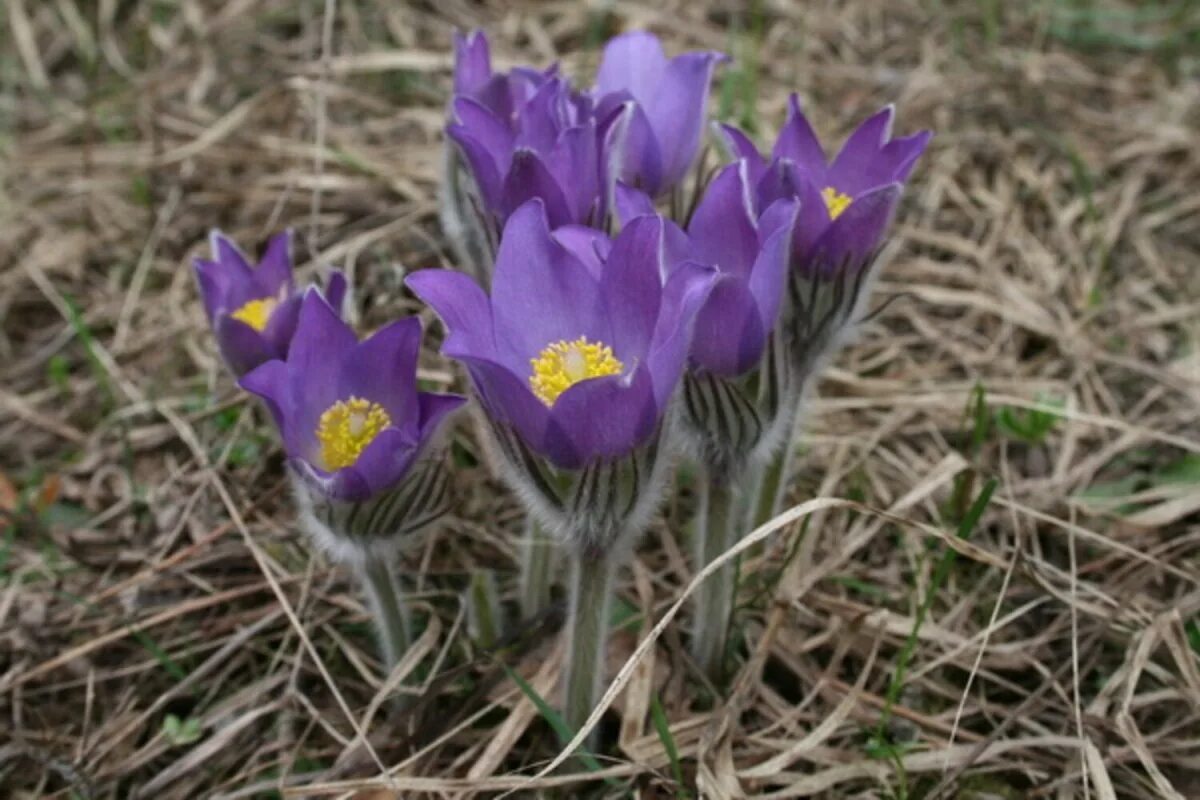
{"x": 591, "y": 590}
{"x": 484, "y": 616}
{"x": 537, "y": 570}
{"x": 770, "y": 482}
{"x": 716, "y": 533}
{"x": 387, "y": 605}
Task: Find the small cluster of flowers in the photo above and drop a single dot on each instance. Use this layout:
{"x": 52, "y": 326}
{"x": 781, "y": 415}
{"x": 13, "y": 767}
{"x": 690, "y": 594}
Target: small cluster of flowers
{"x": 595, "y": 356}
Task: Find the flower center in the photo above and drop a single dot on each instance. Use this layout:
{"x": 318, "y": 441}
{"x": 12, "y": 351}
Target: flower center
{"x": 835, "y": 201}
{"x": 346, "y": 428}
{"x": 256, "y": 313}
{"x": 563, "y": 364}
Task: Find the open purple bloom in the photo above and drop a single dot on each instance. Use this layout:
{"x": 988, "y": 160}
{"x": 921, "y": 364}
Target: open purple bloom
{"x": 351, "y": 418}
{"x": 253, "y": 310}
{"x": 669, "y": 98}
{"x": 581, "y": 345}
{"x": 845, "y": 205}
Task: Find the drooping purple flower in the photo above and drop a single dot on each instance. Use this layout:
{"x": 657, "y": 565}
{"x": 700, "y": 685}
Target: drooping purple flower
{"x": 669, "y": 98}
{"x": 581, "y": 345}
{"x": 253, "y": 310}
{"x": 351, "y": 418}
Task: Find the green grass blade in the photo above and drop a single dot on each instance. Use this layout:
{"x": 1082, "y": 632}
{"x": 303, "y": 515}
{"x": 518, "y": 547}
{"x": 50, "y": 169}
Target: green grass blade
{"x": 659, "y": 717}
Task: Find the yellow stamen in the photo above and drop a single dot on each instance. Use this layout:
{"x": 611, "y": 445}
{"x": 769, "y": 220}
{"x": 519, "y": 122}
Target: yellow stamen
{"x": 346, "y": 428}
{"x": 835, "y": 201}
{"x": 256, "y": 313}
{"x": 563, "y": 364}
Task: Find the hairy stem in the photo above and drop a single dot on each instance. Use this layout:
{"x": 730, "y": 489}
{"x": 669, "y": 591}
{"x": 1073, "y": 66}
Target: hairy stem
{"x": 770, "y": 482}
{"x": 716, "y": 532}
{"x": 388, "y": 607}
{"x": 591, "y": 590}
{"x": 537, "y": 570}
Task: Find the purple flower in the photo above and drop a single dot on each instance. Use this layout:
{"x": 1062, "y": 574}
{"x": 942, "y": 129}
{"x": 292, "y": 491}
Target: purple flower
{"x": 845, "y": 205}
{"x": 751, "y": 256}
{"x": 351, "y": 418}
{"x": 253, "y": 310}
{"x": 581, "y": 345}
{"x": 669, "y": 99}
{"x": 551, "y": 149}
{"x": 502, "y": 93}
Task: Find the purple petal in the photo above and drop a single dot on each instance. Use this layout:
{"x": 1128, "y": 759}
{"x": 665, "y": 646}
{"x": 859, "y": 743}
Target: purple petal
{"x": 768, "y": 279}
{"x": 631, "y": 285}
{"x": 381, "y": 465}
{"x": 382, "y": 369}
{"x": 855, "y": 235}
{"x": 529, "y": 178}
{"x": 860, "y": 150}
{"x": 226, "y": 252}
{"x": 336, "y": 289}
{"x": 604, "y": 418}
{"x": 729, "y": 336}
{"x": 482, "y": 125}
{"x": 214, "y": 282}
{"x": 632, "y": 203}
{"x": 472, "y": 62}
{"x": 741, "y": 147}
{"x": 573, "y": 163}
{"x": 587, "y": 244}
{"x": 482, "y": 165}
{"x": 633, "y": 62}
{"x": 722, "y": 228}
{"x": 242, "y": 347}
{"x": 321, "y": 344}
{"x": 900, "y": 155}
{"x": 508, "y": 398}
{"x": 812, "y": 221}
{"x": 677, "y": 112}
{"x": 641, "y": 159}
{"x": 281, "y": 325}
{"x": 798, "y": 142}
{"x": 347, "y": 484}
{"x": 540, "y": 292}
{"x": 274, "y": 271}
{"x": 683, "y": 295}
{"x": 269, "y": 381}
{"x": 463, "y": 308}
{"x": 435, "y": 408}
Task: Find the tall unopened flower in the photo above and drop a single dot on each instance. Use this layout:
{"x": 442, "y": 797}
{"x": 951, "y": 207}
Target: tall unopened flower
{"x": 576, "y": 356}
{"x": 253, "y": 310}
{"x": 358, "y": 436}
{"x": 738, "y": 393}
{"x": 669, "y": 98}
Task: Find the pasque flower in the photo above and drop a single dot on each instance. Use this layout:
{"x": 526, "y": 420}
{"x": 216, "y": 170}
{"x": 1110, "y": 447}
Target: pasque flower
{"x": 668, "y": 97}
{"x": 576, "y": 356}
{"x": 253, "y": 310}
{"x": 352, "y": 421}
{"x": 845, "y": 204}
{"x": 580, "y": 346}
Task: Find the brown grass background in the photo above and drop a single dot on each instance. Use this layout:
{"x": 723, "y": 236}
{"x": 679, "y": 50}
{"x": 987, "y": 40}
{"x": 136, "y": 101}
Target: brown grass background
{"x": 165, "y": 633}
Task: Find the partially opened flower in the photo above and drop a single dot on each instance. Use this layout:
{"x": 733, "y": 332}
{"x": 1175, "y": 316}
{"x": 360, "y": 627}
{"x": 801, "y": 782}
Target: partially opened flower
{"x": 352, "y": 420}
{"x": 669, "y": 98}
{"x": 502, "y": 93}
{"x": 576, "y": 356}
{"x": 845, "y": 204}
{"x": 253, "y": 310}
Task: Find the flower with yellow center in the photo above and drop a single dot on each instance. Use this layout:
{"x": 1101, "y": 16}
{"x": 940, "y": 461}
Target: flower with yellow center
{"x": 256, "y": 313}
{"x": 563, "y": 364}
{"x": 346, "y": 428}
{"x": 835, "y": 201}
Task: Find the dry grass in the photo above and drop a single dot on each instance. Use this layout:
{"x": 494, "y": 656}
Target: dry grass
{"x": 164, "y": 632}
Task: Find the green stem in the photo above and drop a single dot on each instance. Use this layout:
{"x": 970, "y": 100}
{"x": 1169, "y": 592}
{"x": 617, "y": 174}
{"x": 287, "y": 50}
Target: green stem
{"x": 537, "y": 570}
{"x": 591, "y": 590}
{"x": 770, "y": 482}
{"x": 484, "y": 616}
{"x": 387, "y": 605}
{"x": 715, "y": 534}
